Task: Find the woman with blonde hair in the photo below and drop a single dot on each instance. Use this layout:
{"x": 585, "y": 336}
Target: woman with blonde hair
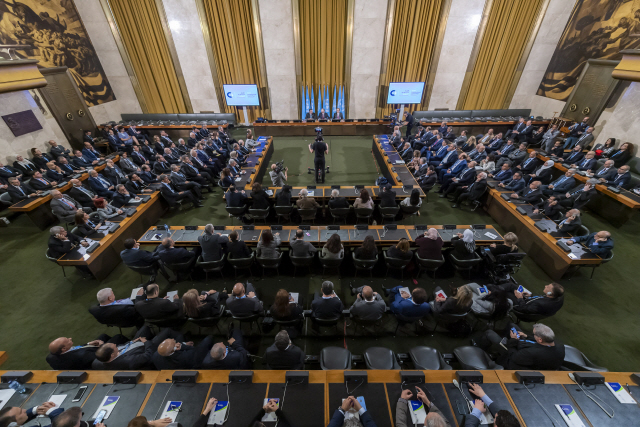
{"x": 509, "y": 246}
{"x": 401, "y": 250}
{"x": 459, "y": 303}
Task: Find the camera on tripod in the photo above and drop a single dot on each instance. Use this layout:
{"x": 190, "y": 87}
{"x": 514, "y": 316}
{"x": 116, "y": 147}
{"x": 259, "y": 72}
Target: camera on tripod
{"x": 318, "y": 132}
{"x": 280, "y": 166}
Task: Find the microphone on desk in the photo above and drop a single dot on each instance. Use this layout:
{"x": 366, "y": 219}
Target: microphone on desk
{"x": 384, "y": 233}
{"x": 357, "y": 232}
{"x": 592, "y": 396}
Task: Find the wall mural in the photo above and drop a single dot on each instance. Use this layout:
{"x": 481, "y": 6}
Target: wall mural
{"x": 597, "y": 29}
{"x": 54, "y": 29}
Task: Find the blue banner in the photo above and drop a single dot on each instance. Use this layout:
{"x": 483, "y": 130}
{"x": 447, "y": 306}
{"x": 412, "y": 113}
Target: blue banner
{"x": 335, "y": 101}
{"x": 313, "y": 101}
{"x": 326, "y": 100}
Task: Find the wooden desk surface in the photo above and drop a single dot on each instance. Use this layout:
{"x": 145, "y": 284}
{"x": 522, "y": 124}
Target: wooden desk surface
{"x": 318, "y": 123}
{"x": 387, "y": 156}
{"x": 3, "y": 357}
{"x": 168, "y": 126}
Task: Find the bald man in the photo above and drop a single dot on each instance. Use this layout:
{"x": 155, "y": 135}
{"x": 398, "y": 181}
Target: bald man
{"x": 173, "y": 353}
{"x": 231, "y": 356}
{"x": 16, "y": 416}
{"x": 83, "y": 195}
{"x": 600, "y": 243}
{"x": 132, "y": 355}
{"x": 369, "y": 305}
{"x": 243, "y": 302}
{"x": 434, "y": 416}
{"x": 64, "y": 355}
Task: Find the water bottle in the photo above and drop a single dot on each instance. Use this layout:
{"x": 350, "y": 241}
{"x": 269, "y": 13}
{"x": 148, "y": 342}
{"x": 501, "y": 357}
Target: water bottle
{"x": 19, "y": 388}
{"x": 166, "y": 228}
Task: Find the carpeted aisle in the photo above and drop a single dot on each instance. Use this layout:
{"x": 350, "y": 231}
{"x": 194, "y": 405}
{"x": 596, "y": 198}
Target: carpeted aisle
{"x": 38, "y": 304}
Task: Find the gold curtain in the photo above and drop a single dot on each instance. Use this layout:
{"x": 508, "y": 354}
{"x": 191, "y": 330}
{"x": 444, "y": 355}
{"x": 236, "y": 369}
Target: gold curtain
{"x": 413, "y": 39}
{"x": 323, "y": 38}
{"x": 141, "y": 31}
{"x": 235, "y": 48}
{"x": 508, "y": 30}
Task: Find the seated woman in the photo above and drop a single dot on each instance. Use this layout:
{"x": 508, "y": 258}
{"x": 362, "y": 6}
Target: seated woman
{"x": 606, "y": 149}
{"x": 368, "y": 249}
{"x": 415, "y": 161}
{"x": 622, "y": 155}
{"x": 283, "y": 197}
{"x": 333, "y": 249}
{"x": 457, "y": 304}
{"x": 488, "y": 164}
{"x": 85, "y": 226}
{"x": 464, "y": 246}
{"x": 429, "y": 245}
{"x": 207, "y": 304}
{"x": 413, "y": 200}
{"x": 105, "y": 210}
{"x": 364, "y": 201}
{"x": 401, "y": 250}
{"x": 268, "y": 246}
{"x": 260, "y": 199}
{"x": 225, "y": 178}
{"x": 509, "y": 246}
{"x": 542, "y": 174}
{"x": 237, "y": 249}
{"x": 285, "y": 309}
{"x": 495, "y": 301}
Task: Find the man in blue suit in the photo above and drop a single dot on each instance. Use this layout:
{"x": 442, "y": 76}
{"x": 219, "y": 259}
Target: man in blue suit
{"x": 89, "y": 153}
{"x": 561, "y": 185}
{"x": 588, "y": 163}
{"x": 574, "y": 156}
{"x": 495, "y": 143}
{"x": 465, "y": 177}
{"x": 516, "y": 184}
{"x": 351, "y": 402}
{"x": 503, "y": 174}
{"x": 404, "y": 305}
{"x": 621, "y": 179}
{"x": 456, "y": 167}
{"x": 599, "y": 243}
{"x": 438, "y": 149}
{"x": 100, "y": 185}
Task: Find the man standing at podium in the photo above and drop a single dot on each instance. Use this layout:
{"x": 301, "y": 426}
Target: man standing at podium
{"x": 320, "y": 149}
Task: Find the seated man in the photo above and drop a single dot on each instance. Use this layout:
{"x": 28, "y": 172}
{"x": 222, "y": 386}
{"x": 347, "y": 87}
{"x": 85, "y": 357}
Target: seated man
{"x": 61, "y": 242}
{"x": 173, "y": 196}
{"x": 244, "y": 303}
{"x": 81, "y": 162}
{"x": 306, "y": 202}
{"x": 7, "y": 172}
{"x": 133, "y": 256}
{"x": 161, "y": 166}
{"x": 571, "y": 222}
{"x": 16, "y": 416}
{"x": 300, "y": 248}
{"x": 147, "y": 176}
{"x": 64, "y": 207}
{"x": 337, "y": 202}
{"x": 38, "y": 183}
{"x": 434, "y": 417}
{"x": 529, "y": 165}
{"x": 179, "y": 181}
{"x": 533, "y": 194}
{"x": 63, "y": 355}
{"x": 20, "y": 191}
{"x": 127, "y": 165}
{"x": 464, "y": 178}
{"x": 169, "y": 254}
{"x": 561, "y": 185}
{"x": 58, "y": 150}
{"x": 578, "y": 198}
{"x": 456, "y": 167}
{"x": 136, "y": 185}
{"x": 515, "y": 157}
{"x": 471, "y": 192}
{"x": 55, "y": 173}
{"x": 515, "y": 184}
{"x": 235, "y": 198}
{"x": 101, "y": 186}
{"x": 132, "y": 355}
{"x": 547, "y": 304}
{"x": 234, "y": 356}
{"x": 122, "y": 197}
{"x": 574, "y": 156}
{"x": 408, "y": 306}
{"x": 338, "y": 418}
{"x": 605, "y": 173}
{"x": 111, "y": 311}
{"x": 283, "y": 354}
{"x": 503, "y": 174}
{"x": 153, "y": 307}
{"x": 620, "y": 179}
{"x": 543, "y": 352}
{"x": 327, "y": 306}
{"x": 174, "y": 353}
{"x": 192, "y": 173}
{"x": 368, "y": 305}
{"x": 89, "y": 154}
{"x": 68, "y": 168}
{"x": 588, "y": 163}
{"x": 501, "y": 417}
{"x": 600, "y": 243}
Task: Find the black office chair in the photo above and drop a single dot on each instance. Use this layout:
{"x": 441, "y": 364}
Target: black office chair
{"x": 427, "y": 190}
{"x": 364, "y": 264}
{"x": 575, "y": 360}
{"x": 288, "y": 323}
{"x": 308, "y": 214}
{"x": 174, "y": 323}
{"x": 465, "y": 264}
{"x": 325, "y": 323}
{"x": 594, "y": 266}
{"x": 270, "y": 263}
{"x": 236, "y": 213}
{"x": 430, "y": 265}
{"x": 55, "y": 261}
{"x": 210, "y": 266}
{"x": 284, "y": 212}
{"x": 208, "y": 322}
{"x": 306, "y": 261}
{"x": 476, "y": 359}
{"x": 177, "y": 204}
{"x": 525, "y": 317}
{"x": 254, "y": 318}
{"x": 330, "y": 263}
{"x": 363, "y": 324}
{"x": 409, "y": 211}
{"x": 395, "y": 264}
{"x": 259, "y": 214}
{"x": 582, "y": 231}
{"x": 363, "y": 213}
{"x": 335, "y": 358}
{"x": 380, "y": 358}
{"x": 76, "y": 232}
{"x": 340, "y": 214}
{"x": 402, "y": 321}
{"x": 242, "y": 264}
{"x": 149, "y": 270}
{"x": 181, "y": 267}
{"x": 428, "y": 359}
{"x": 448, "y": 318}
{"x": 489, "y": 318}
{"x": 388, "y": 213}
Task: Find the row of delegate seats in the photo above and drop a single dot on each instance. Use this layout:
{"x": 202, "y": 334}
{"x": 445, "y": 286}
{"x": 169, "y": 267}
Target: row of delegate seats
{"x": 472, "y": 115}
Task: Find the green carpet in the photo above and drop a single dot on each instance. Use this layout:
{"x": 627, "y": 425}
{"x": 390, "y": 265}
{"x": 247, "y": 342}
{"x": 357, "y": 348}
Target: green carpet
{"x": 39, "y": 304}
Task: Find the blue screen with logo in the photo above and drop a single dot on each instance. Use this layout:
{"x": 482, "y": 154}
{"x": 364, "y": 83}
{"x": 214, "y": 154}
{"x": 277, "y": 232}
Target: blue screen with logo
{"x": 241, "y": 95}
{"x": 405, "y": 93}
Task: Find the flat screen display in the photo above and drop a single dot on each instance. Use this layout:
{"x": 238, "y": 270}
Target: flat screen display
{"x": 405, "y": 92}
{"x": 241, "y": 95}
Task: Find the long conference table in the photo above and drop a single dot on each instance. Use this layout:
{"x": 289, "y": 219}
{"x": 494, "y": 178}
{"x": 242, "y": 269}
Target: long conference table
{"x": 539, "y": 245}
{"x": 617, "y": 208}
{"x": 329, "y": 128}
{"x": 313, "y": 402}
{"x": 38, "y": 209}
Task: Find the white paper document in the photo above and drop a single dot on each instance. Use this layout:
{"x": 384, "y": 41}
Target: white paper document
{"x": 134, "y": 293}
{"x": 620, "y": 393}
{"x": 171, "y": 410}
{"x": 5, "y": 395}
{"x": 271, "y": 416}
{"x": 171, "y": 294}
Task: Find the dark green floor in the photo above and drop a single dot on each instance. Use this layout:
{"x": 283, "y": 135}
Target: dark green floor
{"x": 39, "y": 304}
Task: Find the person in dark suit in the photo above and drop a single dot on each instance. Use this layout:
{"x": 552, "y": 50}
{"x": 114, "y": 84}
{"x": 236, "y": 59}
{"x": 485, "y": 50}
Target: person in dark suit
{"x": 79, "y": 161}
{"x": 368, "y": 305}
{"x": 235, "y": 198}
{"x": 84, "y": 196}
{"x": 337, "y": 202}
{"x": 571, "y": 222}
{"x": 86, "y": 137}
{"x": 547, "y": 304}
{"x": 9, "y": 172}
{"x": 428, "y": 180}
{"x": 310, "y": 115}
{"x": 68, "y": 168}
{"x": 169, "y": 254}
{"x": 38, "y": 183}
{"x": 58, "y": 150}
{"x": 15, "y": 416}
{"x": 85, "y": 227}
{"x": 323, "y": 115}
{"x": 599, "y": 243}
{"x": 579, "y": 197}
{"x": 327, "y": 305}
{"x": 100, "y": 185}
{"x": 55, "y": 174}
{"x": 561, "y": 185}
{"x": 174, "y": 353}
{"x": 529, "y": 164}
{"x": 159, "y": 308}
{"x": 212, "y": 244}
{"x": 234, "y": 356}
{"x": 515, "y": 157}
{"x": 113, "y": 173}
{"x": 573, "y": 157}
{"x": 337, "y": 420}
{"x": 471, "y": 192}
{"x": 589, "y": 162}
{"x": 620, "y": 179}
{"x": 607, "y": 171}
{"x": 388, "y": 197}
{"x": 544, "y": 173}
{"x": 20, "y": 191}
{"x": 40, "y": 159}
{"x": 138, "y": 157}
{"x": 161, "y": 166}
{"x": 549, "y": 207}
{"x": 406, "y": 305}
{"x": 133, "y": 355}
{"x": 180, "y": 182}
{"x": 531, "y": 194}
{"x": 338, "y": 115}
{"x": 576, "y": 131}
{"x": 543, "y": 351}
{"x": 620, "y": 157}
{"x": 136, "y": 185}
{"x": 133, "y": 256}
{"x": 26, "y": 167}
{"x": 243, "y": 304}
{"x": 494, "y": 144}
{"x": 237, "y": 248}
{"x": 192, "y": 173}
{"x": 515, "y": 184}
{"x": 484, "y": 402}
{"x": 147, "y": 176}
{"x": 173, "y": 196}
{"x": 519, "y": 127}
{"x": 63, "y": 355}
{"x": 89, "y": 153}
{"x": 122, "y": 196}
{"x": 464, "y": 178}
{"x": 61, "y": 242}
{"x": 502, "y": 174}
{"x": 282, "y": 354}
{"x": 451, "y": 171}
{"x": 111, "y": 311}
